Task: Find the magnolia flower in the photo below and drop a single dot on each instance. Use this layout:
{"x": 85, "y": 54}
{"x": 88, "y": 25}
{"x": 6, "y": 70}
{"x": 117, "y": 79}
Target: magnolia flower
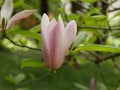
{"x": 57, "y": 40}
{"x": 6, "y": 12}
{"x": 92, "y": 84}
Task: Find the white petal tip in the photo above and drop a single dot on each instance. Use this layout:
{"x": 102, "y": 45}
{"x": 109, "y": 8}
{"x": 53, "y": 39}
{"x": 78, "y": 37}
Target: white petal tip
{"x": 59, "y": 18}
{"x": 45, "y": 15}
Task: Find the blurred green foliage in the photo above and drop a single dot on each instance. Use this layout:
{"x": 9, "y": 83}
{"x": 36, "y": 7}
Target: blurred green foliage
{"x": 12, "y": 77}
{"x": 95, "y": 52}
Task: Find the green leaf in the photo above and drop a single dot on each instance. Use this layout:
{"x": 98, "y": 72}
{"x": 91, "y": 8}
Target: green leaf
{"x": 80, "y": 86}
{"x": 116, "y": 33}
{"x": 73, "y": 17}
{"x": 98, "y": 17}
{"x": 20, "y": 77}
{"x": 117, "y": 14}
{"x": 15, "y": 80}
{"x": 95, "y": 20}
{"x": 18, "y": 3}
{"x": 10, "y": 78}
{"x": 101, "y": 86}
{"x": 80, "y": 60}
{"x": 115, "y": 22}
{"x": 31, "y": 63}
{"x": 79, "y": 39}
{"x": 26, "y": 33}
{"x": 95, "y": 47}
{"x": 22, "y": 89}
{"x": 88, "y": 1}
{"x": 35, "y": 29}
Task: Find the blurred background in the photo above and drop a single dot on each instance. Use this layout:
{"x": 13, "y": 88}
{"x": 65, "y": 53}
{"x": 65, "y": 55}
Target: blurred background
{"x": 95, "y": 65}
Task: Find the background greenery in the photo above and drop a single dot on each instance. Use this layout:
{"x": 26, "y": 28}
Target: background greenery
{"x": 72, "y": 78}
{"x": 94, "y": 54}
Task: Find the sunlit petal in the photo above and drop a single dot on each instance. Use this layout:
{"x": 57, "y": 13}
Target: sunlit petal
{"x": 46, "y": 28}
{"x": 44, "y": 23}
{"x": 56, "y": 40}
{"x": 19, "y": 16}
{"x": 70, "y": 33}
{"x": 7, "y": 9}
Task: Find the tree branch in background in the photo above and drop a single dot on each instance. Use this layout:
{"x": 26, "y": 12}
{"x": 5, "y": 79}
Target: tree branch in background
{"x": 20, "y": 45}
{"x": 78, "y": 6}
{"x": 106, "y": 58}
{"x": 115, "y": 9}
{"x": 34, "y": 80}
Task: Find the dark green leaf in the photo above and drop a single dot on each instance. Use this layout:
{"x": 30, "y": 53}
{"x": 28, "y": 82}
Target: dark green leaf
{"x": 10, "y": 78}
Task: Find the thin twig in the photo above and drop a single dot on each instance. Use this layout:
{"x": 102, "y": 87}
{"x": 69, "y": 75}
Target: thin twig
{"x": 82, "y": 6}
{"x": 106, "y": 58}
{"x": 34, "y": 80}
{"x": 21, "y": 45}
{"x": 115, "y": 9}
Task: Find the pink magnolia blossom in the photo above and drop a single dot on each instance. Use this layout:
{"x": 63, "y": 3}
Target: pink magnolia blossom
{"x": 6, "y": 12}
{"x": 57, "y": 40}
{"x": 92, "y": 84}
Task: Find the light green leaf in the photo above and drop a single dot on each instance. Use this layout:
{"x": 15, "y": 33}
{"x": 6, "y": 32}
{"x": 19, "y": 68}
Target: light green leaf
{"x": 80, "y": 60}
{"x": 20, "y": 77}
{"x": 116, "y": 33}
{"x": 95, "y": 47}
{"x": 10, "y": 78}
{"x": 31, "y": 63}
{"x": 88, "y": 1}
{"x": 115, "y": 22}
{"x": 26, "y": 33}
{"x": 22, "y": 89}
{"x": 75, "y": 17}
{"x": 116, "y": 15}
{"x": 81, "y": 87}
{"x": 17, "y": 79}
{"x": 98, "y": 17}
{"x": 79, "y": 39}
{"x": 101, "y": 86}
{"x": 35, "y": 29}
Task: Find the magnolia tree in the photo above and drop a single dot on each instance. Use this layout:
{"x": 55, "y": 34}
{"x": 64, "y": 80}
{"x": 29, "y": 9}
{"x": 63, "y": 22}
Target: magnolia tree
{"x": 85, "y": 35}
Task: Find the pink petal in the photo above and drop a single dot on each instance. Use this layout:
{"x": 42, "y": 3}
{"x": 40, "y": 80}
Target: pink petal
{"x": 70, "y": 33}
{"x": 56, "y": 41}
{"x": 62, "y": 43}
{"x": 19, "y": 16}
{"x": 44, "y": 23}
{"x": 92, "y": 84}
{"x": 46, "y": 28}
{"x": 7, "y": 9}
